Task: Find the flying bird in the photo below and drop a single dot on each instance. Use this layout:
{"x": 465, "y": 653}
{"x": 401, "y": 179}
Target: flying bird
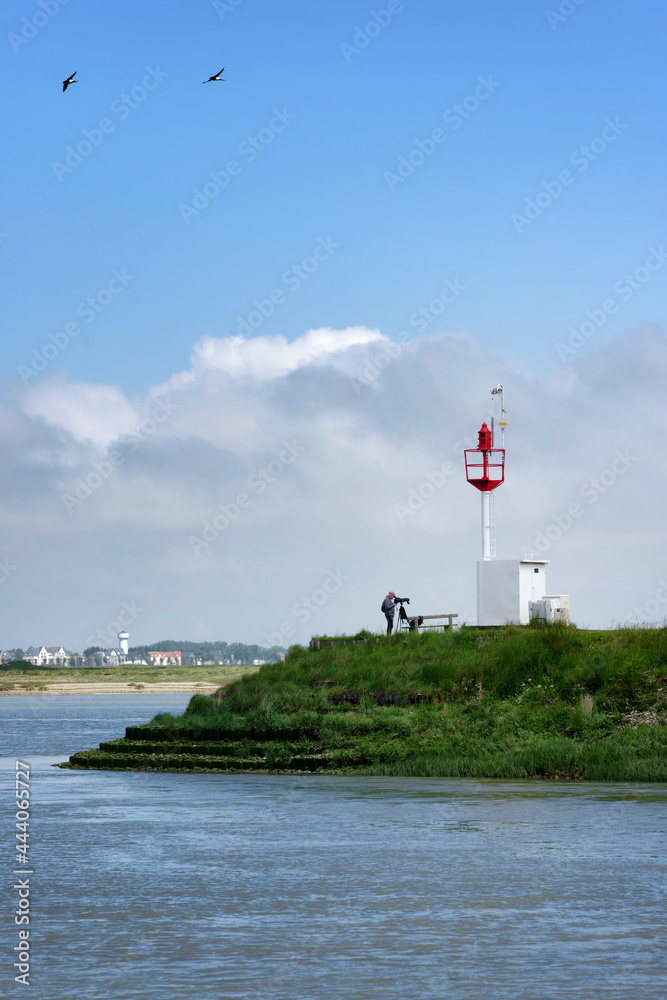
{"x": 216, "y": 77}
{"x": 70, "y": 79}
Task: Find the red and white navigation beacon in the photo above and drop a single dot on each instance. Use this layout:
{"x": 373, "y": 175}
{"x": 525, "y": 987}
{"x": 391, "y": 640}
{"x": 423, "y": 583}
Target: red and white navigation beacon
{"x": 485, "y": 470}
{"x": 507, "y": 589}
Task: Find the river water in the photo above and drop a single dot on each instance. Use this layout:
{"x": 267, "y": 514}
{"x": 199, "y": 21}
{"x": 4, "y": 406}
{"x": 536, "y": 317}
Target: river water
{"x": 170, "y": 886}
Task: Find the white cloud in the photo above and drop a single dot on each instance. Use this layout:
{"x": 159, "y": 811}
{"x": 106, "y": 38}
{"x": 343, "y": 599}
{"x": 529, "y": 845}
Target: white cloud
{"x": 92, "y": 414}
{"x": 332, "y": 508}
{"x": 274, "y": 357}
{"x": 269, "y": 357}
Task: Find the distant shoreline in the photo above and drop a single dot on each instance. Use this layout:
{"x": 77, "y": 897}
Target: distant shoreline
{"x": 124, "y": 679}
{"x": 60, "y": 688}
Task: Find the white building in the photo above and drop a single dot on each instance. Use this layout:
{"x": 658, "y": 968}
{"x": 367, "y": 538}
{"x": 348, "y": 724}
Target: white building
{"x": 113, "y": 656}
{"x": 46, "y": 656}
{"x": 162, "y": 658}
{"x": 506, "y": 587}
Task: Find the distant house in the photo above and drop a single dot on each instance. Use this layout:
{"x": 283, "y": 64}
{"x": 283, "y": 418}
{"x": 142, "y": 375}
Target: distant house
{"x": 111, "y": 657}
{"x": 160, "y": 658}
{"x": 46, "y": 656}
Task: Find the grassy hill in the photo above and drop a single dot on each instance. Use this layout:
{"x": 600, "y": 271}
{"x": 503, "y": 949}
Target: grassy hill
{"x": 516, "y": 702}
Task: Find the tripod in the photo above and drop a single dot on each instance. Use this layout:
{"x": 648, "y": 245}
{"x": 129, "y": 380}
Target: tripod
{"x": 407, "y": 622}
{"x": 403, "y": 620}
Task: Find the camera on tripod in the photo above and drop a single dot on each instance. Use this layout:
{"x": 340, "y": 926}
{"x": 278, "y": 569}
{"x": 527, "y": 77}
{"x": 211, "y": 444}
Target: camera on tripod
{"x": 403, "y": 620}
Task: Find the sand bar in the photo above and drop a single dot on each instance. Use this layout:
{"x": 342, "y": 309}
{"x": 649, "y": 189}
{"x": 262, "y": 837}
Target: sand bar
{"x": 111, "y": 687}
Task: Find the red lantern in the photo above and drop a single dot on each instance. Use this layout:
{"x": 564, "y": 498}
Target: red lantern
{"x": 485, "y": 465}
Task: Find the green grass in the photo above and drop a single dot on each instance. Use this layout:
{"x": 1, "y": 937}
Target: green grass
{"x": 517, "y": 702}
{"x": 627, "y": 667}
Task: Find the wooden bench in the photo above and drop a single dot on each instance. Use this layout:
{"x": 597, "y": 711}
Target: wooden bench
{"x": 414, "y": 626}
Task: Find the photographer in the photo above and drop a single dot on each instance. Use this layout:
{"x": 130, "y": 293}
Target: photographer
{"x": 388, "y": 606}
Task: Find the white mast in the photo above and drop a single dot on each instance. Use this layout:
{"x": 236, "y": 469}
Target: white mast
{"x": 502, "y": 423}
{"x": 488, "y": 527}
{"x": 489, "y": 499}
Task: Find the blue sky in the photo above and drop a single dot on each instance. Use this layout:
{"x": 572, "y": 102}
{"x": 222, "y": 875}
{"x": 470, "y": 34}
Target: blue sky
{"x": 324, "y": 174}
{"x": 531, "y": 147}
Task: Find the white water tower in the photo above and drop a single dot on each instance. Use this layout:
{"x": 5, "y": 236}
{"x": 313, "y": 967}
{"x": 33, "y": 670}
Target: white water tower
{"x": 123, "y": 638}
